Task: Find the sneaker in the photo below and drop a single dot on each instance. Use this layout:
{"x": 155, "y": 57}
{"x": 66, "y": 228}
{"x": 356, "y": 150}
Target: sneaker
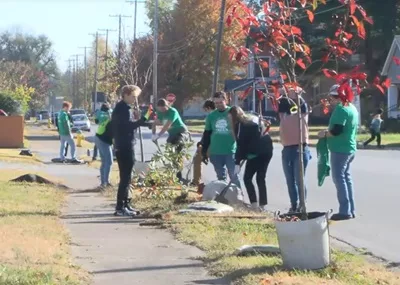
{"x": 75, "y": 160}
{"x": 133, "y": 210}
{"x": 341, "y": 217}
{"x": 124, "y": 212}
{"x": 94, "y": 158}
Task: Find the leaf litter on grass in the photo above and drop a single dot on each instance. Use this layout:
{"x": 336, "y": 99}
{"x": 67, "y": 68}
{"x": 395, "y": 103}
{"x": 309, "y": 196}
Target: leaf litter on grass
{"x": 221, "y": 237}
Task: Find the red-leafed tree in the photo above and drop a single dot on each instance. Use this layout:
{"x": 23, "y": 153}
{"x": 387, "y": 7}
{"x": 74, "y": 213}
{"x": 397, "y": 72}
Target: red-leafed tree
{"x": 276, "y": 31}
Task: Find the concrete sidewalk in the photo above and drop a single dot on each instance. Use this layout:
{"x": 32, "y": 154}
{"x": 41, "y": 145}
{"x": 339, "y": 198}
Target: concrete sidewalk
{"x": 115, "y": 250}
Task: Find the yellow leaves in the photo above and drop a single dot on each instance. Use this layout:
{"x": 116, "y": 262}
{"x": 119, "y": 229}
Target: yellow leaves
{"x": 315, "y": 4}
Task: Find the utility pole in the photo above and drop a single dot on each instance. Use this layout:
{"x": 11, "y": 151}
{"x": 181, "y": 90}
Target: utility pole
{"x": 218, "y": 50}
{"x": 86, "y": 79}
{"x": 70, "y": 86}
{"x": 135, "y": 2}
{"x": 106, "y": 55}
{"x": 73, "y": 75}
{"x": 119, "y": 33}
{"x": 95, "y": 69}
{"x": 76, "y": 77}
{"x": 155, "y": 52}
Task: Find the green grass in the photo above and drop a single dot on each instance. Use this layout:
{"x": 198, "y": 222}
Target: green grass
{"x": 34, "y": 245}
{"x": 220, "y": 237}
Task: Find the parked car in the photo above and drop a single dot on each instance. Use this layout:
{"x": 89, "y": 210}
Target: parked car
{"x": 43, "y": 115}
{"x": 77, "y": 112}
{"x": 3, "y": 113}
{"x": 80, "y": 122}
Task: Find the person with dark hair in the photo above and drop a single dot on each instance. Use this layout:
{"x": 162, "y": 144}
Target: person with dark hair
{"x": 208, "y": 107}
{"x": 375, "y": 128}
{"x": 123, "y": 127}
{"x": 65, "y": 132}
{"x": 172, "y": 123}
{"x": 289, "y": 131}
{"x": 219, "y": 141}
{"x": 255, "y": 146}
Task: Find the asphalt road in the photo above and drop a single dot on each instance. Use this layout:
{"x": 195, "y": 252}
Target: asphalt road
{"x": 377, "y": 195}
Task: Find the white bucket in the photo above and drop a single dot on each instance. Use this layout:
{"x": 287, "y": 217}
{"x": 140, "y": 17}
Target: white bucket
{"x": 305, "y": 244}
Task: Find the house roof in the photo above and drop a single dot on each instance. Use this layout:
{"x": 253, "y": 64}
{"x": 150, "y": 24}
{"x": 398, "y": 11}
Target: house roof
{"x": 392, "y": 52}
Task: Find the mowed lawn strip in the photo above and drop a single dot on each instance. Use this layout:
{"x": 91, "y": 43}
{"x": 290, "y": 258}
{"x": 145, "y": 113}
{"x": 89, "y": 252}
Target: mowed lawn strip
{"x": 220, "y": 236}
{"x": 34, "y": 245}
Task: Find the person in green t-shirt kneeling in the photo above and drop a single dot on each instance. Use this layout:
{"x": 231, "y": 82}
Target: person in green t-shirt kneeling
{"x": 341, "y": 135}
{"x": 172, "y": 123}
{"x": 219, "y": 140}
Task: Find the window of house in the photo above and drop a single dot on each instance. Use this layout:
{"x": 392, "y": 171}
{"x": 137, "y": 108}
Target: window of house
{"x": 260, "y": 71}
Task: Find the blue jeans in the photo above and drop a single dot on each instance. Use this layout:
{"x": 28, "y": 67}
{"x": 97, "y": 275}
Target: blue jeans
{"x": 67, "y": 139}
{"x": 340, "y": 167}
{"x": 106, "y": 156}
{"x": 291, "y": 168}
{"x": 221, "y": 162}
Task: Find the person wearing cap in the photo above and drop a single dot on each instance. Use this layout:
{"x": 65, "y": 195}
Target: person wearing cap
{"x": 289, "y": 131}
{"x": 342, "y": 144}
{"x": 123, "y": 127}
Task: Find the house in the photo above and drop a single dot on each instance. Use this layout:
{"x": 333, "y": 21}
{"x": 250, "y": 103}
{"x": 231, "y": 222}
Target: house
{"x": 391, "y": 69}
{"x": 256, "y": 75}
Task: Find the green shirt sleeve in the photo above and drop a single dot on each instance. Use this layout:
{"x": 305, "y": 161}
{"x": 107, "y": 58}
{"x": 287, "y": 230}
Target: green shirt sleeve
{"x": 208, "y": 124}
{"x": 173, "y": 115}
{"x": 339, "y": 116}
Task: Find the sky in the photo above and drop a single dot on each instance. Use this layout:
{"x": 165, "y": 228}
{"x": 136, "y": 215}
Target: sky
{"x": 69, "y": 23}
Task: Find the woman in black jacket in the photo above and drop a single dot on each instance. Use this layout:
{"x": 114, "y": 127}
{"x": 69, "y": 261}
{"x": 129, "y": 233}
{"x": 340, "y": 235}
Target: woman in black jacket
{"x": 254, "y": 145}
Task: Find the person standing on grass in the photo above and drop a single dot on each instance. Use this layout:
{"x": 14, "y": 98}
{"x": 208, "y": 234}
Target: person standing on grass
{"x": 375, "y": 129}
{"x": 65, "y": 132}
{"x": 123, "y": 134}
{"x": 219, "y": 141}
{"x": 208, "y": 107}
{"x": 172, "y": 123}
{"x": 103, "y": 142}
{"x": 290, "y": 138}
{"x": 342, "y": 144}
{"x": 255, "y": 146}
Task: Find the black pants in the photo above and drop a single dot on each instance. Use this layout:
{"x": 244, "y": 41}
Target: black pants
{"x": 258, "y": 166}
{"x": 125, "y": 160}
{"x": 374, "y": 135}
{"x": 178, "y": 140}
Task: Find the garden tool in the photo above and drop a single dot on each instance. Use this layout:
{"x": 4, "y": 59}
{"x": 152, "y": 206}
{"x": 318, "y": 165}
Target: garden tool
{"x": 220, "y": 198}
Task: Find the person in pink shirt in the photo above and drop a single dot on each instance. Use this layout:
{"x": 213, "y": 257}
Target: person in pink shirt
{"x": 290, "y": 138}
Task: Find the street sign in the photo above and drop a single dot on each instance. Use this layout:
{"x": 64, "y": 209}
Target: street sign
{"x": 171, "y": 98}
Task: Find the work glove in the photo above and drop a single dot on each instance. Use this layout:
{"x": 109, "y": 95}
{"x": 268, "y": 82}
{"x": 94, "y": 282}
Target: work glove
{"x": 237, "y": 169}
{"x": 155, "y": 138}
{"x": 205, "y": 159}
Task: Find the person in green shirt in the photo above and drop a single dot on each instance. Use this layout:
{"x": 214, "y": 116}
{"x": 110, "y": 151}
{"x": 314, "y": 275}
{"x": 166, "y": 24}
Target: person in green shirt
{"x": 64, "y": 130}
{"x": 219, "y": 140}
{"x": 341, "y": 136}
{"x": 172, "y": 123}
{"x": 103, "y": 115}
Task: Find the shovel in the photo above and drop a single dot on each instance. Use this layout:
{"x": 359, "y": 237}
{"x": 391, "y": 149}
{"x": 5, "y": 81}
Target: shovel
{"x": 220, "y": 198}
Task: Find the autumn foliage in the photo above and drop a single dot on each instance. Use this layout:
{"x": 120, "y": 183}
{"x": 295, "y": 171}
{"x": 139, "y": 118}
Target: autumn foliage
{"x": 277, "y": 33}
